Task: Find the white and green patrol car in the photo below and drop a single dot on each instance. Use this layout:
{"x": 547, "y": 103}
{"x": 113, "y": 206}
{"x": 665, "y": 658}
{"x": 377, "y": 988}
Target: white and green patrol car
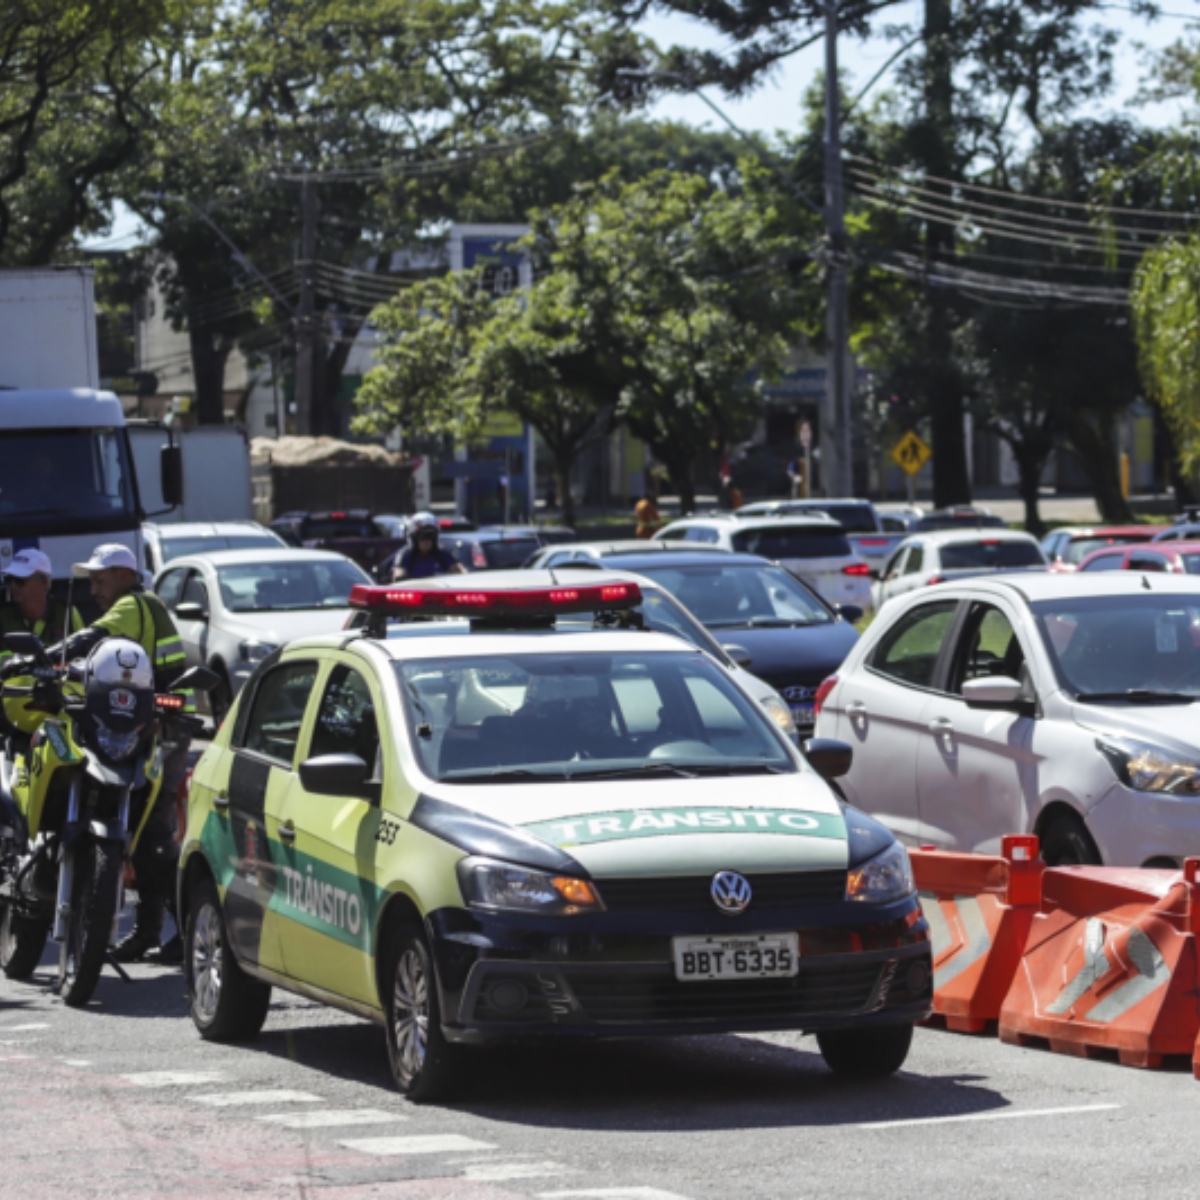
{"x": 492, "y": 828}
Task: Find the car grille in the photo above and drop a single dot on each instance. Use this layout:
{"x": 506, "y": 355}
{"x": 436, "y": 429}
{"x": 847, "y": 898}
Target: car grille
{"x": 816, "y": 991}
{"x": 691, "y": 893}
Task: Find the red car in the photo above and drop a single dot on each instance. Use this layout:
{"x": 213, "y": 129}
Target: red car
{"x": 1067, "y": 548}
{"x": 1178, "y": 558}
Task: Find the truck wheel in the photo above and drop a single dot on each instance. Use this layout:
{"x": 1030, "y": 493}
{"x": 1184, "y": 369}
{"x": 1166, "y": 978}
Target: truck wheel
{"x": 98, "y": 868}
{"x": 866, "y": 1053}
{"x": 22, "y": 940}
{"x": 424, "y": 1065}
{"x": 226, "y": 1004}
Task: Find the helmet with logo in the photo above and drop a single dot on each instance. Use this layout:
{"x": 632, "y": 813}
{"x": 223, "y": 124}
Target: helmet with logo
{"x": 118, "y": 686}
{"x": 419, "y": 523}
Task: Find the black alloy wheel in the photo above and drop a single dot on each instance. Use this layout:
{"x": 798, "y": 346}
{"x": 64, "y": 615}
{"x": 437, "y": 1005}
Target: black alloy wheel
{"x": 90, "y": 922}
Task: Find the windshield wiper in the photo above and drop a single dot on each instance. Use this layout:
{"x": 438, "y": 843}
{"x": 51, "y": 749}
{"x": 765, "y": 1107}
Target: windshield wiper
{"x": 1141, "y": 696}
{"x": 513, "y": 773}
{"x": 649, "y": 768}
{"x": 778, "y": 622}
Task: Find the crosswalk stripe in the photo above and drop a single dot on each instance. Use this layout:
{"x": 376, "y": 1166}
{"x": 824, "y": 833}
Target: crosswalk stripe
{"x": 161, "y": 1079}
{"x": 237, "y": 1099}
{"x": 503, "y": 1172}
{"x": 435, "y": 1143}
{"x": 331, "y": 1118}
{"x": 618, "y": 1193}
{"x": 77, "y": 1062}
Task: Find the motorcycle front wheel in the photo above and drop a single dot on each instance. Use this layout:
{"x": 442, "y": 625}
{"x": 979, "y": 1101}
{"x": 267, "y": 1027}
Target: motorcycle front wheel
{"x": 22, "y": 940}
{"x": 93, "y": 904}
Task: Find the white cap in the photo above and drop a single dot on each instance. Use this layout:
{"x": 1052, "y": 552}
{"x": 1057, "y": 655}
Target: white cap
{"x": 29, "y": 562}
{"x": 104, "y": 557}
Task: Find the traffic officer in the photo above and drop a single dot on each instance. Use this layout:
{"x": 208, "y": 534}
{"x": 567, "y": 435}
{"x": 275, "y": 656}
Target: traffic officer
{"x": 128, "y": 611}
{"x": 30, "y": 610}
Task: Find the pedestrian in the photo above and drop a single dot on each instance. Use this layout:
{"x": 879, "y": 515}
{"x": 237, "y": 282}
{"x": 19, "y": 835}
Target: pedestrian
{"x": 647, "y": 518}
{"x": 795, "y": 474}
{"x": 129, "y": 611}
{"x": 30, "y": 609}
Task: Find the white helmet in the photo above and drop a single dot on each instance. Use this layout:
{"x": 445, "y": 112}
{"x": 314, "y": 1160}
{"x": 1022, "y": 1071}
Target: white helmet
{"x": 420, "y": 521}
{"x": 120, "y": 662}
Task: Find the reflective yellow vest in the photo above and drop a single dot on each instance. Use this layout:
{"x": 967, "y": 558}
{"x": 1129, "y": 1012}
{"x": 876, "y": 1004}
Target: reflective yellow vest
{"x": 143, "y": 617}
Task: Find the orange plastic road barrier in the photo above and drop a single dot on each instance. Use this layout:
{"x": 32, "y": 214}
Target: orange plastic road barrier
{"x": 1111, "y": 966}
{"x": 979, "y": 910}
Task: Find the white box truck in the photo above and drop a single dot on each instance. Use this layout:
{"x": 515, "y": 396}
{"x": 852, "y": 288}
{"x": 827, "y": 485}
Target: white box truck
{"x": 67, "y": 475}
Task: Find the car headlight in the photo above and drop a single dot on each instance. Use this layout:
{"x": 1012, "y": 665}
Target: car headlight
{"x": 114, "y": 745}
{"x": 1149, "y": 768}
{"x": 255, "y": 652}
{"x": 779, "y": 712}
{"x": 886, "y": 877}
{"x": 496, "y": 885}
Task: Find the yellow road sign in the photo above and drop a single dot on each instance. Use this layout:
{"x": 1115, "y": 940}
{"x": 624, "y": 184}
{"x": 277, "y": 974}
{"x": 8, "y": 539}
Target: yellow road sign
{"x": 911, "y": 453}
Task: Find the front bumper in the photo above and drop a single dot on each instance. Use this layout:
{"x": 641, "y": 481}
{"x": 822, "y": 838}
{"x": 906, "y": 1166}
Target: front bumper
{"x": 502, "y": 980}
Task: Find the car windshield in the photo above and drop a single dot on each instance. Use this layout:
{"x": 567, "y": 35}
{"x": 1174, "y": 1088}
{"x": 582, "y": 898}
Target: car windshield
{"x": 177, "y": 547}
{"x": 65, "y": 480}
{"x": 549, "y": 717}
{"x": 727, "y": 595}
{"x": 286, "y": 585}
{"x": 991, "y": 552}
{"x": 1077, "y": 549}
{"x": 511, "y": 552}
{"x": 1144, "y": 646}
{"x": 793, "y": 541}
{"x": 663, "y": 614}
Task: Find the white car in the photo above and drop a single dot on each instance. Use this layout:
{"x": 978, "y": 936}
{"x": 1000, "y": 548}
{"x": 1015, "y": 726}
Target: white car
{"x": 814, "y": 548}
{"x": 1061, "y": 705}
{"x": 927, "y": 558}
{"x": 235, "y": 608}
{"x": 166, "y": 542}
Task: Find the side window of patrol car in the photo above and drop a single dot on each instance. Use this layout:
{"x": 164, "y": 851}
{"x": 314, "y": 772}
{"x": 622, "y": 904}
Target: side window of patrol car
{"x": 346, "y": 721}
{"x": 279, "y": 703}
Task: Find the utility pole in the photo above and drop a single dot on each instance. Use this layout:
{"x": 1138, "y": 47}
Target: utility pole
{"x": 309, "y": 359}
{"x": 838, "y": 475}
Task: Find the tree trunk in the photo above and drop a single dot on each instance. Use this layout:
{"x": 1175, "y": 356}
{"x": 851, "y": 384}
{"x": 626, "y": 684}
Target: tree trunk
{"x": 563, "y": 461}
{"x": 1167, "y": 452}
{"x": 1095, "y": 442}
{"x": 209, "y": 356}
{"x": 951, "y": 480}
{"x": 1031, "y": 454}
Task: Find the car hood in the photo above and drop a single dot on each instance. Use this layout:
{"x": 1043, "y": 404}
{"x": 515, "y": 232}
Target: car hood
{"x": 785, "y": 657}
{"x": 1172, "y": 726}
{"x": 668, "y": 827}
{"x": 279, "y": 628}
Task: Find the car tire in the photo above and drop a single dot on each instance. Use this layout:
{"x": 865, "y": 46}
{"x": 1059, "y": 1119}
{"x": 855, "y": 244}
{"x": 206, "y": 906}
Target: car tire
{"x": 220, "y": 699}
{"x": 225, "y": 1003}
{"x": 424, "y": 1065}
{"x": 1066, "y": 843}
{"x": 866, "y": 1053}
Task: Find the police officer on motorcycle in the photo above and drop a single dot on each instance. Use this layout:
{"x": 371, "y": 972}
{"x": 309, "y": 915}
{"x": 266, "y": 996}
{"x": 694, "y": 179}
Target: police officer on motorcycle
{"x": 129, "y": 611}
{"x": 423, "y": 558}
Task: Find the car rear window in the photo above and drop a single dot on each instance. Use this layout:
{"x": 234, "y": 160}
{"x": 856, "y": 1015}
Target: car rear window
{"x": 936, "y": 521}
{"x": 509, "y": 553}
{"x": 853, "y": 518}
{"x": 1077, "y": 549}
{"x": 793, "y": 541}
{"x": 337, "y": 527}
{"x": 991, "y": 552}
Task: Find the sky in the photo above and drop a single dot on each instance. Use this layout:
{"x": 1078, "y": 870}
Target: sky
{"x": 775, "y": 104}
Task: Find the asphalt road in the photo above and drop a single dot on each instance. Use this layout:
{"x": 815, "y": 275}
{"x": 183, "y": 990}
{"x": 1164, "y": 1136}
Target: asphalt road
{"x": 124, "y": 1099}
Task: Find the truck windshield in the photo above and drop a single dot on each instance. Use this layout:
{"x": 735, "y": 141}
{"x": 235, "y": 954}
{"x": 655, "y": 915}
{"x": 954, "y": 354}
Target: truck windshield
{"x": 65, "y": 480}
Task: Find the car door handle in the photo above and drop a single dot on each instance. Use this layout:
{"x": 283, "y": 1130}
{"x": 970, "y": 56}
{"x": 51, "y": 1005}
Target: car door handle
{"x": 221, "y": 801}
{"x": 941, "y": 725}
{"x": 287, "y": 831}
{"x": 856, "y": 708}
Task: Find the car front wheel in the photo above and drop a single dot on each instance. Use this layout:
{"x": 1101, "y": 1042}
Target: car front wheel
{"x": 866, "y": 1053}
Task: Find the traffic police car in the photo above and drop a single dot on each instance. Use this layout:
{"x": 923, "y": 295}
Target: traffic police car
{"x": 492, "y": 828}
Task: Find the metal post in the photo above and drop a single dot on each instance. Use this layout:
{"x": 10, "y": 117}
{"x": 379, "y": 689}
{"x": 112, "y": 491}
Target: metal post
{"x": 306, "y": 352}
{"x": 840, "y": 478}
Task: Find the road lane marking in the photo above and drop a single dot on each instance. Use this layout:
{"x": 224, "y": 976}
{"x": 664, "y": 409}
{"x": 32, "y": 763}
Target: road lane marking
{"x": 330, "y": 1118}
{"x": 1004, "y": 1114}
{"x": 504, "y": 1172}
{"x": 436, "y": 1143}
{"x": 237, "y": 1099}
{"x": 25, "y": 1028}
{"x": 162, "y": 1079}
{"x": 77, "y": 1062}
{"x": 619, "y": 1193}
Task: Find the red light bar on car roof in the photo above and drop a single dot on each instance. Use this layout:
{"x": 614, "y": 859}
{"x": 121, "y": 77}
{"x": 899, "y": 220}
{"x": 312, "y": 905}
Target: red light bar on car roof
{"x": 500, "y": 602}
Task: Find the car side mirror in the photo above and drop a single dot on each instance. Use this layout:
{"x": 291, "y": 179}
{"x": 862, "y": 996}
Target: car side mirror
{"x": 171, "y": 475}
{"x": 739, "y": 654}
{"x": 196, "y": 679}
{"x": 829, "y": 758}
{"x": 191, "y": 610}
{"x": 993, "y": 691}
{"x": 850, "y": 612}
{"x": 337, "y": 775}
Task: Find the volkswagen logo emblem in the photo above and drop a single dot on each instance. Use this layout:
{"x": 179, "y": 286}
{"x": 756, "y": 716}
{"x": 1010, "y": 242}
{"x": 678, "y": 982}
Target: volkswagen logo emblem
{"x": 731, "y": 892}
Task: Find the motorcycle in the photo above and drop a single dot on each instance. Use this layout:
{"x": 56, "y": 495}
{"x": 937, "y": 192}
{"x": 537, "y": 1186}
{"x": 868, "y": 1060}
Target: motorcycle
{"x": 67, "y": 797}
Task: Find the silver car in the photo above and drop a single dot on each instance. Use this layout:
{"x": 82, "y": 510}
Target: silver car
{"x": 233, "y": 608}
